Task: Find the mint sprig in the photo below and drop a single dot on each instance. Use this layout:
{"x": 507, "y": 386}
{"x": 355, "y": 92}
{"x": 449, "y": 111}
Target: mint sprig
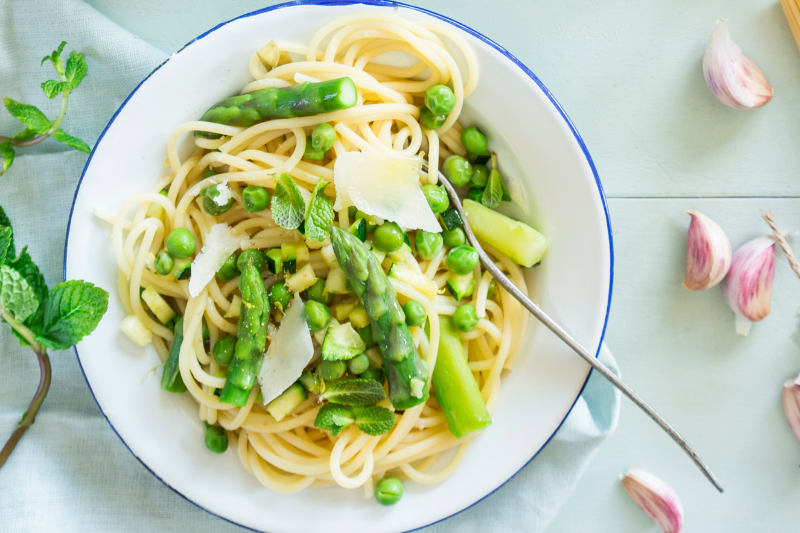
{"x": 37, "y": 126}
{"x": 333, "y": 418}
{"x": 354, "y": 392}
{"x": 288, "y": 206}
{"x": 320, "y": 213}
{"x": 372, "y": 420}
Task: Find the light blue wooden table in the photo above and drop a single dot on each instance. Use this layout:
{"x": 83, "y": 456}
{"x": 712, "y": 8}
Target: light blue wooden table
{"x": 628, "y": 73}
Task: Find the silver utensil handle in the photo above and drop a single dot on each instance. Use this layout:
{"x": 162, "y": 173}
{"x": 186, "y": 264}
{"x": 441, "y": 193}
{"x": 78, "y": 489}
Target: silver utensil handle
{"x": 536, "y": 311}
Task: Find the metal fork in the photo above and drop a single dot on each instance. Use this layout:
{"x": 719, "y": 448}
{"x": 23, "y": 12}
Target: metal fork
{"x": 536, "y": 311}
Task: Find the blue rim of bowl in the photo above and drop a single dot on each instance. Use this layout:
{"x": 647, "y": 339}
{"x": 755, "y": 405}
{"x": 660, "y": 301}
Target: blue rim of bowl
{"x": 477, "y": 35}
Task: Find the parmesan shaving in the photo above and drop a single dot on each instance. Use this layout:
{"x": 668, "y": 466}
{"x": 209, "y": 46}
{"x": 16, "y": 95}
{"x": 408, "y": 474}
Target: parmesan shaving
{"x": 220, "y": 243}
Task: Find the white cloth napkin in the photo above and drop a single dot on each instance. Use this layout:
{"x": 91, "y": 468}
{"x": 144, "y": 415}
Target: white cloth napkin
{"x": 71, "y": 473}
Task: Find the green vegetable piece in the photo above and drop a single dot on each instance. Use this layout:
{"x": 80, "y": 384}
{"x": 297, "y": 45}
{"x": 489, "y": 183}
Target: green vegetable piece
{"x": 437, "y": 198}
{"x": 181, "y": 243}
{"x": 374, "y": 420}
{"x": 251, "y": 257}
{"x": 440, "y": 99}
{"x": 481, "y": 158}
{"x": 454, "y": 237}
{"x": 366, "y": 336}
{"x": 216, "y": 439}
{"x": 318, "y": 316}
{"x": 465, "y": 318}
{"x": 182, "y": 269}
{"x": 164, "y": 263}
{"x": 461, "y": 286}
{"x": 462, "y": 259}
{"x": 480, "y": 175}
{"x": 388, "y": 491}
{"x": 72, "y": 310}
{"x": 374, "y": 374}
{"x": 457, "y": 169}
{"x": 320, "y": 214}
{"x": 288, "y": 206}
{"x": 473, "y": 140}
{"x": 171, "y": 380}
{"x": 369, "y": 219}
{"x": 16, "y": 296}
{"x": 475, "y": 194}
{"x": 430, "y": 120}
{"x": 415, "y": 314}
{"x": 287, "y": 401}
{"x": 318, "y": 293}
{"x": 341, "y": 343}
{"x": 452, "y": 219}
{"x": 311, "y": 382}
{"x": 224, "y": 350}
{"x": 274, "y": 258}
{"x": 209, "y": 203}
{"x": 428, "y": 244}
{"x": 255, "y": 198}
{"x": 358, "y": 364}
{"x": 359, "y": 229}
{"x": 228, "y": 270}
{"x": 323, "y": 136}
{"x": 332, "y": 370}
{"x": 457, "y": 392}
{"x": 492, "y": 291}
{"x": 388, "y": 237}
{"x": 333, "y": 418}
{"x": 312, "y": 154}
{"x": 520, "y": 242}
{"x": 279, "y": 296}
{"x": 354, "y": 392}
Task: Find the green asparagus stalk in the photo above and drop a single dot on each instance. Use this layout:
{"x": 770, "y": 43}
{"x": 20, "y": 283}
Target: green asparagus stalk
{"x": 171, "y": 379}
{"x": 407, "y": 373}
{"x": 283, "y": 102}
{"x": 251, "y": 338}
{"x": 456, "y": 390}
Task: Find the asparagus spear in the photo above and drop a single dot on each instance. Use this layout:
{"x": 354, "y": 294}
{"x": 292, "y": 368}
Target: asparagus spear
{"x": 456, "y": 391}
{"x": 283, "y": 102}
{"x": 251, "y": 338}
{"x": 407, "y": 373}
{"x": 171, "y": 379}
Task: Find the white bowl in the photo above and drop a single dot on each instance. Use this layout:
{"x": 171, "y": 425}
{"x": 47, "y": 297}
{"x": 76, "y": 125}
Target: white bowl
{"x": 537, "y": 145}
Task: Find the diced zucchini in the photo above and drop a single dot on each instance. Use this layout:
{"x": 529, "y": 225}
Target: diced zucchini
{"x": 358, "y": 317}
{"x": 311, "y": 382}
{"x": 480, "y": 159}
{"x": 275, "y": 261}
{"x": 287, "y": 401}
{"x": 329, "y": 255}
{"x": 372, "y": 221}
{"x": 337, "y": 281}
{"x": 401, "y": 255}
{"x": 421, "y": 282}
{"x": 380, "y": 255}
{"x": 461, "y": 286}
{"x": 452, "y": 219}
{"x": 137, "y": 332}
{"x": 302, "y": 253}
{"x": 182, "y": 268}
{"x": 359, "y": 229}
{"x": 343, "y": 309}
{"x": 302, "y": 279}
{"x": 320, "y": 335}
{"x": 290, "y": 267}
{"x": 289, "y": 251}
{"x": 342, "y": 343}
{"x": 158, "y": 305}
{"x": 316, "y": 245}
{"x": 236, "y": 307}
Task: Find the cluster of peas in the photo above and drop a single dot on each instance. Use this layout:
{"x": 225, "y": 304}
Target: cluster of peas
{"x": 319, "y": 142}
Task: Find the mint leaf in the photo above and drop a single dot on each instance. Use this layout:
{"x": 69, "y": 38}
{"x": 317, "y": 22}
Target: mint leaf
{"x": 16, "y": 296}
{"x": 320, "y": 214}
{"x": 7, "y": 156}
{"x": 55, "y": 57}
{"x": 288, "y": 206}
{"x": 53, "y": 88}
{"x": 374, "y": 420}
{"x": 72, "y": 142}
{"x": 6, "y": 240}
{"x": 333, "y": 418}
{"x": 5, "y": 221}
{"x": 28, "y": 270}
{"x": 354, "y": 392}
{"x": 493, "y": 193}
{"x": 28, "y": 115}
{"x": 72, "y": 310}
{"x": 76, "y": 69}
{"x": 24, "y": 135}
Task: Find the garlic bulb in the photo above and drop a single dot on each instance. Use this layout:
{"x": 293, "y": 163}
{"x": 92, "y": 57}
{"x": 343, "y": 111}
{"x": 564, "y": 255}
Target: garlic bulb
{"x": 657, "y": 499}
{"x": 748, "y": 286}
{"x": 791, "y": 404}
{"x": 732, "y": 76}
{"x": 708, "y": 253}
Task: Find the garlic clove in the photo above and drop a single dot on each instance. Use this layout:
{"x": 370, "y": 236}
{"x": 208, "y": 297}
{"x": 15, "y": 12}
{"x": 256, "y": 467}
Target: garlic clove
{"x": 708, "y": 253}
{"x": 748, "y": 286}
{"x": 791, "y": 404}
{"x": 732, "y": 76}
{"x": 657, "y": 499}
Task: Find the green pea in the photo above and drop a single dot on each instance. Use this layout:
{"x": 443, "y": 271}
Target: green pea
{"x": 473, "y": 140}
{"x": 388, "y": 237}
{"x": 415, "y": 313}
{"x": 229, "y": 270}
{"x": 454, "y": 237}
{"x": 332, "y": 370}
{"x": 430, "y": 120}
{"x": 210, "y": 205}
{"x": 366, "y": 335}
{"x": 475, "y": 194}
{"x": 465, "y": 318}
{"x": 279, "y": 296}
{"x": 164, "y": 263}
{"x": 206, "y": 333}
{"x": 311, "y": 153}
{"x": 480, "y": 174}
{"x": 224, "y": 349}
{"x": 351, "y": 212}
{"x": 492, "y": 291}
{"x": 255, "y": 198}
{"x": 374, "y": 373}
{"x": 319, "y": 293}
{"x": 181, "y": 243}
{"x": 437, "y": 198}
{"x": 358, "y": 364}
{"x": 256, "y": 257}
{"x": 457, "y": 169}
{"x": 322, "y": 137}
{"x": 440, "y": 99}
{"x": 388, "y": 491}
{"x": 428, "y": 244}
{"x": 317, "y": 315}
{"x": 216, "y": 439}
{"x": 462, "y": 259}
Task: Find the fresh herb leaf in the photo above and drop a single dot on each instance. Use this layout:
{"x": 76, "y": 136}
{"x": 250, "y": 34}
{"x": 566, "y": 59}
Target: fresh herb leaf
{"x": 7, "y": 156}
{"x": 28, "y": 270}
{"x": 24, "y": 135}
{"x": 6, "y": 239}
{"x": 16, "y": 296}
{"x": 320, "y": 214}
{"x": 333, "y": 418}
{"x": 72, "y": 142}
{"x": 354, "y": 392}
{"x": 72, "y": 310}
{"x": 55, "y": 57}
{"x": 28, "y": 115}
{"x": 5, "y": 221}
{"x": 493, "y": 193}
{"x": 374, "y": 420}
{"x": 76, "y": 69}
{"x": 288, "y": 206}
{"x": 53, "y": 88}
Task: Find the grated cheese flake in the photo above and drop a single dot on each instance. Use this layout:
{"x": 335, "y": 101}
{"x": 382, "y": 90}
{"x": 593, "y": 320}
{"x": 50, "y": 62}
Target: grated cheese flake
{"x": 225, "y": 193}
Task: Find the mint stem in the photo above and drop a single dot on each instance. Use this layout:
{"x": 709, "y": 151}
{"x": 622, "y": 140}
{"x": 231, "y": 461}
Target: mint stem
{"x": 35, "y": 140}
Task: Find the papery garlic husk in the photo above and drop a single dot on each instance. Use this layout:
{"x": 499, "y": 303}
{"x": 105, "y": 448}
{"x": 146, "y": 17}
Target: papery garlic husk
{"x": 791, "y": 404}
{"x": 732, "y": 76}
{"x": 657, "y": 499}
{"x": 748, "y": 286}
{"x": 708, "y": 253}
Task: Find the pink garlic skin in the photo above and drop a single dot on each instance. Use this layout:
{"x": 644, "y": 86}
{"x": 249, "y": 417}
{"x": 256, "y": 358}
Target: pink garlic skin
{"x": 748, "y": 286}
{"x": 791, "y": 405}
{"x": 732, "y": 76}
{"x": 657, "y": 499}
{"x": 708, "y": 253}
